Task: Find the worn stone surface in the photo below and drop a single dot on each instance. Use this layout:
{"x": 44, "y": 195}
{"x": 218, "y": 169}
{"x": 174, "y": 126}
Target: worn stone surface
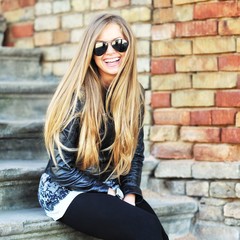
{"x": 221, "y": 189}
{"x": 197, "y": 188}
{"x": 211, "y": 213}
{"x": 232, "y": 209}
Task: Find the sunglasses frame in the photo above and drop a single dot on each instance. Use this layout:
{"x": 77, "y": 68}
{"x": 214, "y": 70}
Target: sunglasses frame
{"x": 114, "y": 43}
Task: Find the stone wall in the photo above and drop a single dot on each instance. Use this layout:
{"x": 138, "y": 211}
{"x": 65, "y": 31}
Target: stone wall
{"x": 189, "y": 64}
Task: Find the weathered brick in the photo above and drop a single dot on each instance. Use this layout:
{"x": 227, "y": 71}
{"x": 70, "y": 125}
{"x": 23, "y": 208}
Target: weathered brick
{"x": 237, "y": 190}
{"x": 19, "y": 15}
{"x": 148, "y": 95}
{"x": 162, "y": 3}
{"x": 228, "y": 98}
{"x": 216, "y": 152}
{"x": 214, "y": 45}
{"x": 169, "y": 48}
{"x": 47, "y": 68}
{"x": 163, "y": 133}
{"x": 196, "y": 64}
{"x": 165, "y": 31}
{"x": 80, "y": 6}
{"x": 42, "y": 23}
{"x": 43, "y": 8}
{"x": 143, "y": 47}
{"x": 171, "y": 81}
{"x": 200, "y": 134}
{"x": 171, "y": 117}
{"x": 176, "y": 187}
{"x": 61, "y": 36}
{"x": 26, "y": 3}
{"x": 229, "y": 63}
{"x": 238, "y": 119}
{"x": 163, "y": 15}
{"x": 142, "y": 30}
{"x": 146, "y": 129}
{"x": 232, "y": 210}
{"x": 222, "y": 189}
{"x": 213, "y": 201}
{"x": 172, "y": 150}
{"x": 160, "y": 99}
{"x": 22, "y": 30}
{"x": 99, "y": 4}
{"x": 215, "y": 80}
{"x": 180, "y": 2}
{"x": 162, "y": 66}
{"x": 174, "y": 168}
{"x": 43, "y": 38}
{"x": 60, "y": 68}
{"x": 196, "y": 28}
{"x": 76, "y": 35}
{"x": 238, "y": 44}
{"x": 144, "y": 81}
{"x": 61, "y": 6}
{"x": 201, "y": 117}
{"x": 148, "y": 116}
{"x": 9, "y": 5}
{"x": 51, "y": 53}
{"x": 229, "y": 26}
{"x": 216, "y": 10}
{"x": 216, "y": 170}
{"x": 119, "y": 3}
{"x": 72, "y": 21}
{"x": 136, "y": 14}
{"x": 24, "y": 43}
{"x": 223, "y": 116}
{"x": 210, "y": 213}
{"x": 197, "y": 188}
{"x": 141, "y": 2}
{"x": 183, "y": 13}
{"x": 143, "y": 64}
{"x": 193, "y": 98}
{"x": 68, "y": 51}
{"x": 230, "y": 135}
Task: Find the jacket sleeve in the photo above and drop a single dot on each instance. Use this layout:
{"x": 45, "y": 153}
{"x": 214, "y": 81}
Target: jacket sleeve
{"x": 130, "y": 183}
{"x": 66, "y": 173}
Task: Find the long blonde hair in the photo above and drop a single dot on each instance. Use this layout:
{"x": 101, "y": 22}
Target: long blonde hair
{"x": 124, "y": 103}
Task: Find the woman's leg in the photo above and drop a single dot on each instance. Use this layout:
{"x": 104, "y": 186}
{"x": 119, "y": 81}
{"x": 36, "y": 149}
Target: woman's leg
{"x": 109, "y": 218}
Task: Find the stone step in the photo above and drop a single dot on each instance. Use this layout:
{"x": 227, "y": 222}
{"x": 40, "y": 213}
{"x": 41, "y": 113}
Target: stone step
{"x": 19, "y": 63}
{"x": 175, "y": 212}
{"x": 32, "y": 223}
{"x": 25, "y": 100}
{"x": 22, "y": 140}
{"x": 19, "y": 183}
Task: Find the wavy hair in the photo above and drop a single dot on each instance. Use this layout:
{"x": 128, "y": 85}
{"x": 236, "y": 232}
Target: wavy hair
{"x": 124, "y": 103}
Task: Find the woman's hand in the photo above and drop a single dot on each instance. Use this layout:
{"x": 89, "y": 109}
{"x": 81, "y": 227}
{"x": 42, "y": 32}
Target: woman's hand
{"x": 130, "y": 198}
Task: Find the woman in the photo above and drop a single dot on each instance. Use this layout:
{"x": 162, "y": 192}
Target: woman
{"x": 94, "y": 137}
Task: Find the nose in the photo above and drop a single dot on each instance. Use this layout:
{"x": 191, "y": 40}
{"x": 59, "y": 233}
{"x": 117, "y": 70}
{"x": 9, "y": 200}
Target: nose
{"x": 110, "y": 49}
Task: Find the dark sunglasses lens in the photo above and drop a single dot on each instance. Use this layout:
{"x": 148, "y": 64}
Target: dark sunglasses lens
{"x": 120, "y": 45}
{"x": 100, "y": 48}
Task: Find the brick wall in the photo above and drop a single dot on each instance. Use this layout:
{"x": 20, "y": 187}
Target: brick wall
{"x": 189, "y": 64}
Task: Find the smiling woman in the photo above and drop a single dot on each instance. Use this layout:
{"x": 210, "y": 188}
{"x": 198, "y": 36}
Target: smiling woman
{"x": 94, "y": 137}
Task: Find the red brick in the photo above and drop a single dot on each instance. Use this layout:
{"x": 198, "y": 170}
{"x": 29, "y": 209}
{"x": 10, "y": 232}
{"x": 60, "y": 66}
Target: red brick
{"x": 223, "y": 116}
{"x": 163, "y": 31}
{"x": 200, "y": 134}
{"x": 229, "y": 63}
{"x": 216, "y": 152}
{"x": 201, "y": 117}
{"x": 9, "y": 5}
{"x": 26, "y": 3}
{"x": 171, "y": 117}
{"x": 172, "y": 150}
{"x": 216, "y": 10}
{"x": 23, "y": 30}
{"x": 196, "y": 28}
{"x": 231, "y": 135}
{"x": 162, "y": 66}
{"x": 228, "y": 98}
{"x": 160, "y": 100}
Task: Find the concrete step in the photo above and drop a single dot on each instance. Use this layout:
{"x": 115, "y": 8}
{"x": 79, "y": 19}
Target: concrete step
{"x": 25, "y": 100}
{"x": 175, "y": 212}
{"x": 32, "y": 223}
{"x": 22, "y": 139}
{"x": 19, "y": 63}
{"x": 19, "y": 183}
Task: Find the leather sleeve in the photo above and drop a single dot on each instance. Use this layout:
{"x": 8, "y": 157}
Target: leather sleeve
{"x": 66, "y": 174}
{"x": 130, "y": 183}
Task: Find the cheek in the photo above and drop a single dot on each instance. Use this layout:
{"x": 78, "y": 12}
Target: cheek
{"x": 97, "y": 60}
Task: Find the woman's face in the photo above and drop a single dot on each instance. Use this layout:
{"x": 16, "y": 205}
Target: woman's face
{"x": 109, "y": 63}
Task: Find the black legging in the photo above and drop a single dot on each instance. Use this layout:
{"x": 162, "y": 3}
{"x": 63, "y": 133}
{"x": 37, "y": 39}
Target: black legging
{"x": 109, "y": 218}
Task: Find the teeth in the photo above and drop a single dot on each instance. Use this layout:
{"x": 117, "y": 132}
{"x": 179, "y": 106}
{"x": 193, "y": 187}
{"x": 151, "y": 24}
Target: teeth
{"x": 111, "y": 60}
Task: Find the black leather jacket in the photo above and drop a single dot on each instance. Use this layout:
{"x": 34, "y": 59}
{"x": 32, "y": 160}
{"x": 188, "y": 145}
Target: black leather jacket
{"x": 68, "y": 175}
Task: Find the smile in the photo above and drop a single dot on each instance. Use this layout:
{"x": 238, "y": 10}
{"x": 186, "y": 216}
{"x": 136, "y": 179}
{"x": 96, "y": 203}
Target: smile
{"x": 112, "y": 60}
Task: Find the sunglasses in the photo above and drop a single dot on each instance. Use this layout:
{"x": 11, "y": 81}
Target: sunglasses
{"x": 119, "y": 45}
